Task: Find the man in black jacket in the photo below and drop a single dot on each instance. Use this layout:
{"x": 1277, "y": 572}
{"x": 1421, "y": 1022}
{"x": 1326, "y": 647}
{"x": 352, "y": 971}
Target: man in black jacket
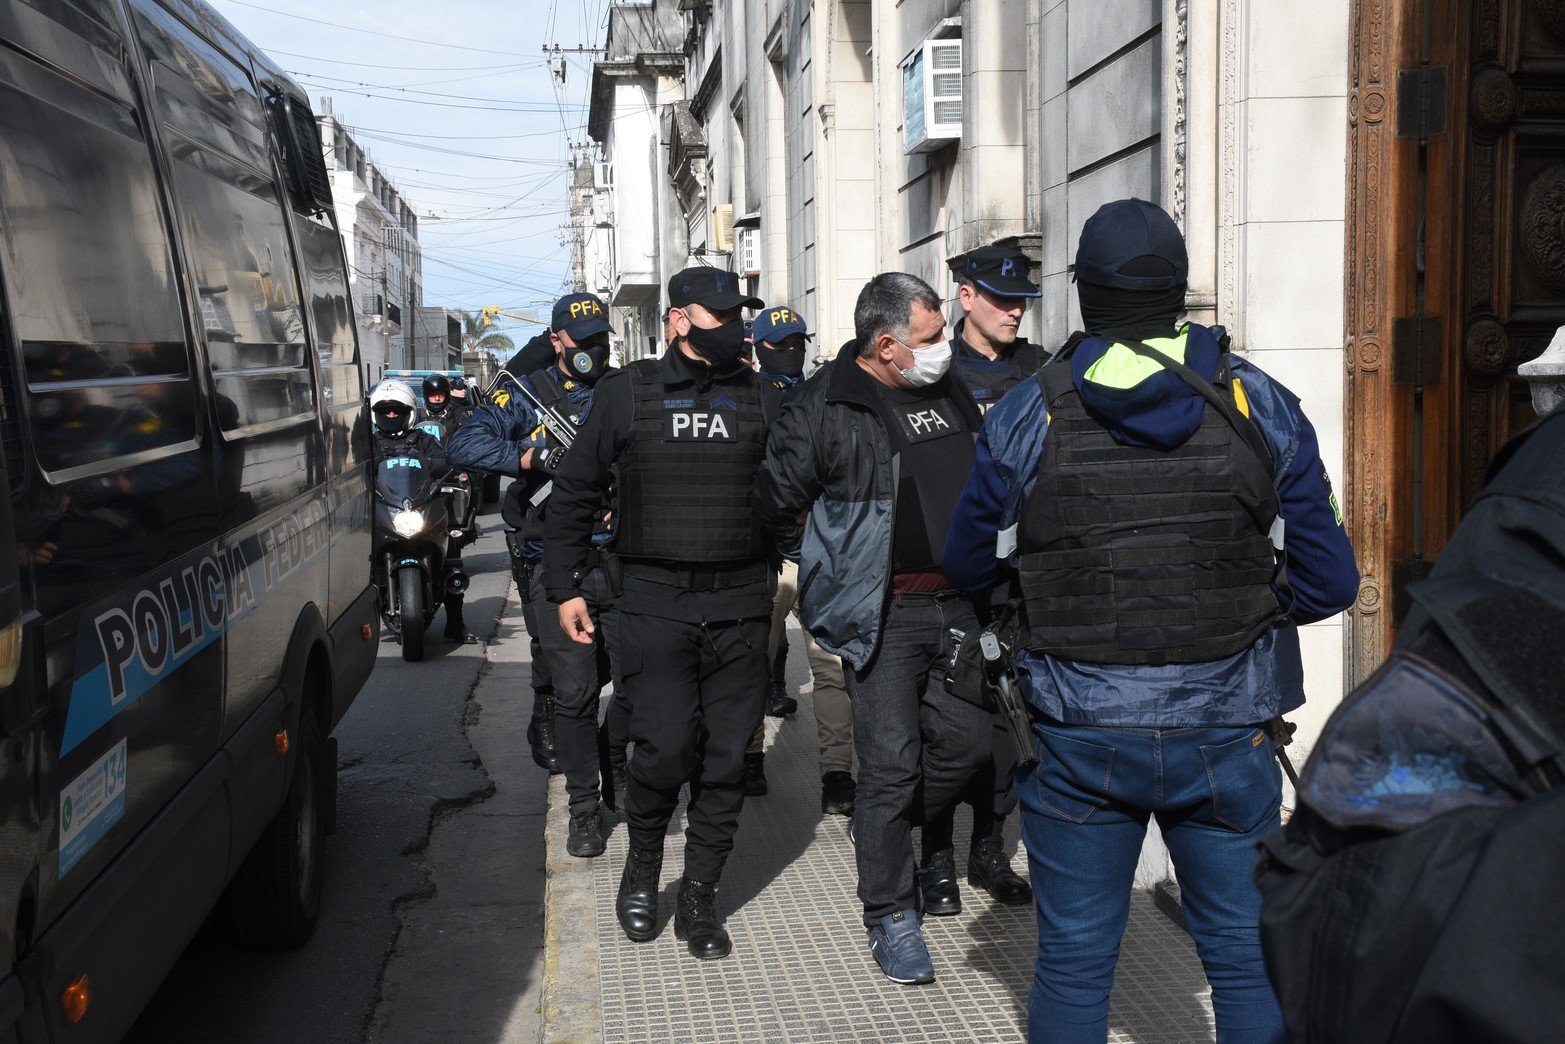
{"x": 509, "y": 436}
{"x": 992, "y": 358}
{"x": 875, "y": 449}
{"x": 685, "y": 434}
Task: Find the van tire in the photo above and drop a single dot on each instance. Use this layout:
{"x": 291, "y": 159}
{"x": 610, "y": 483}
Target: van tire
{"x": 410, "y": 607}
{"x": 274, "y": 900}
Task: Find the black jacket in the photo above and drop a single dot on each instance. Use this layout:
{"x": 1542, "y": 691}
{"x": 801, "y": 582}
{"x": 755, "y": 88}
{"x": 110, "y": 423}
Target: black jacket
{"x": 830, "y": 456}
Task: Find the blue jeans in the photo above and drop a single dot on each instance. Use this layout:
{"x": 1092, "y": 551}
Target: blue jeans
{"x": 1215, "y": 792}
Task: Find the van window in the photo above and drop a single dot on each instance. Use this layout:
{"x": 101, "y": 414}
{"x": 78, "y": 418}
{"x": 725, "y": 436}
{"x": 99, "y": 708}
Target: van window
{"x": 215, "y": 129}
{"x": 89, "y": 277}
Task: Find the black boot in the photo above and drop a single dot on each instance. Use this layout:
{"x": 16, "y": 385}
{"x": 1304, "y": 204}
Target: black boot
{"x": 696, "y": 923}
{"x": 755, "y": 774}
{"x": 989, "y": 869}
{"x": 779, "y": 704}
{"x": 636, "y": 905}
{"x": 540, "y": 733}
{"x": 937, "y": 887}
{"x": 456, "y": 627}
{"x": 838, "y": 792}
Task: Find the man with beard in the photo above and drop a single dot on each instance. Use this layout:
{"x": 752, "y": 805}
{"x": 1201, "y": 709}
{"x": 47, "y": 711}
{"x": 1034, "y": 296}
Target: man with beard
{"x": 510, "y": 436}
{"x": 682, "y": 435}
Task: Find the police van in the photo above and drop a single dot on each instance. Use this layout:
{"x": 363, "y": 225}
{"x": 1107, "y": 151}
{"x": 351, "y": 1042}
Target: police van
{"x": 185, "y": 600}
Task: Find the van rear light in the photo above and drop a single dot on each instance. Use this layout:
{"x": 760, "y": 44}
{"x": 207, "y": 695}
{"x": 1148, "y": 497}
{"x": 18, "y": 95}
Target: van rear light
{"x": 280, "y": 741}
{"x": 75, "y": 1000}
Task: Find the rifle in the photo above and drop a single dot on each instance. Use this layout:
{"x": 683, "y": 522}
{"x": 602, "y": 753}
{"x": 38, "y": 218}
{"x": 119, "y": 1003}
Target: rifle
{"x": 554, "y": 422}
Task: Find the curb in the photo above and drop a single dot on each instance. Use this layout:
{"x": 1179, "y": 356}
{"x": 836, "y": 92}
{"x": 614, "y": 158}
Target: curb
{"x": 572, "y": 998}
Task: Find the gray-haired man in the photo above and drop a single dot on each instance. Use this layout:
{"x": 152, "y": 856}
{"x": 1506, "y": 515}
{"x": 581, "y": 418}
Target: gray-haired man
{"x": 875, "y": 450}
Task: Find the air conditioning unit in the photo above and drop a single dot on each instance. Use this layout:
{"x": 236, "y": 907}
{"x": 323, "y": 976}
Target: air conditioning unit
{"x": 602, "y": 210}
{"x": 723, "y": 228}
{"x": 749, "y": 263}
{"x": 932, "y": 96}
{"x": 602, "y": 176}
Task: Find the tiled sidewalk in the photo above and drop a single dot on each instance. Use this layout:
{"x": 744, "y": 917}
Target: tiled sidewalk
{"x": 801, "y": 969}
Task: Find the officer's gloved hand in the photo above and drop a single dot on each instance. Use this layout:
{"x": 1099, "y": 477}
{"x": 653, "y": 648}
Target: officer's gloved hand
{"x": 548, "y": 462}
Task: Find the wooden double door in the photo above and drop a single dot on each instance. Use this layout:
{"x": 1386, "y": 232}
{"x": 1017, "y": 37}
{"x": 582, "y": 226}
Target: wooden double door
{"x": 1456, "y": 265}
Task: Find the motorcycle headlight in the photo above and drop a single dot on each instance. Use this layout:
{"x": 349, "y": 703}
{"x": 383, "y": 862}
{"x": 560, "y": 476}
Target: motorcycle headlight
{"x": 408, "y": 523}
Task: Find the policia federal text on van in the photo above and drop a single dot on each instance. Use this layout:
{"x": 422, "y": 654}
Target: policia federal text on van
{"x": 187, "y": 612}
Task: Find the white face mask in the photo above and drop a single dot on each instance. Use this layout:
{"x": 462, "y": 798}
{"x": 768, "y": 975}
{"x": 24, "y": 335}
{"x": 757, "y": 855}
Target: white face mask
{"x": 929, "y": 364}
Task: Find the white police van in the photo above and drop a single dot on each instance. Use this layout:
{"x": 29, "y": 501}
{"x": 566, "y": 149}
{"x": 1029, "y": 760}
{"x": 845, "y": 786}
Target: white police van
{"x": 185, "y": 600}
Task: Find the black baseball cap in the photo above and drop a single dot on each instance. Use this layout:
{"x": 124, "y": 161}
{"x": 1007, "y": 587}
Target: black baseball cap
{"x": 580, "y": 315}
{"x": 999, "y": 270}
{"x": 1125, "y": 231}
{"x": 714, "y": 288}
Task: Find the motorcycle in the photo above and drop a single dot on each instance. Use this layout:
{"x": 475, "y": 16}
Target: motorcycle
{"x": 415, "y": 516}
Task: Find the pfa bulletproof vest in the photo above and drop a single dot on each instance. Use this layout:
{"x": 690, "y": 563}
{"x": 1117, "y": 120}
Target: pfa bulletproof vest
{"x": 1138, "y": 555}
{"x": 989, "y": 382}
{"x": 686, "y": 475}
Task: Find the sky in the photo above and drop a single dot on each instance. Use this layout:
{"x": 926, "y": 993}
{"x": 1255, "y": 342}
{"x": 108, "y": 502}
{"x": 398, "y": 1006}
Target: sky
{"x": 456, "y": 103}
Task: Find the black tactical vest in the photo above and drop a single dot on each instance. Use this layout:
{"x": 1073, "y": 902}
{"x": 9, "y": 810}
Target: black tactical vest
{"x": 686, "y": 475}
{"x": 1133, "y": 555}
{"x": 989, "y": 383}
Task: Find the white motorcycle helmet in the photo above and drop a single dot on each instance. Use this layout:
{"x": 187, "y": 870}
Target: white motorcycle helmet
{"x": 393, "y": 405}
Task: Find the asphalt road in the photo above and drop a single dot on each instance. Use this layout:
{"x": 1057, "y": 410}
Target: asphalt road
{"x": 431, "y": 921}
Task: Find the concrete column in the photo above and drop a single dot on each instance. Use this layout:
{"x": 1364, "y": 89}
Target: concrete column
{"x": 994, "y": 109}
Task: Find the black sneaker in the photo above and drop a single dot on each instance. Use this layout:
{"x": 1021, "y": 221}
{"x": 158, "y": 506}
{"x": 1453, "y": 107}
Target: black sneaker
{"x": 937, "y": 888}
{"x": 586, "y": 834}
{"x": 755, "y": 775}
{"x": 837, "y": 793}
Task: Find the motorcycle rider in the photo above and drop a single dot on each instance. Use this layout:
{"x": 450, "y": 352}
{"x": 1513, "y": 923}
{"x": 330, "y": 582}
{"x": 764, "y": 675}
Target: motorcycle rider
{"x": 510, "y": 436}
{"x": 442, "y": 421}
{"x": 393, "y": 407}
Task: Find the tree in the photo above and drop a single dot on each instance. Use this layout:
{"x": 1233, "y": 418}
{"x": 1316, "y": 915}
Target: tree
{"x": 478, "y": 334}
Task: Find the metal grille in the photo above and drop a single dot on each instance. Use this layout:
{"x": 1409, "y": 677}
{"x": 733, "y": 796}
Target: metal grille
{"x": 801, "y": 969}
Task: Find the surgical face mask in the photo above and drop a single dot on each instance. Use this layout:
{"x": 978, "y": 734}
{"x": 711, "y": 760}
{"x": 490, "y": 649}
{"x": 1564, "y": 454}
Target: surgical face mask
{"x": 586, "y": 363}
{"x": 780, "y": 362}
{"x": 929, "y": 364}
{"x": 722, "y": 347}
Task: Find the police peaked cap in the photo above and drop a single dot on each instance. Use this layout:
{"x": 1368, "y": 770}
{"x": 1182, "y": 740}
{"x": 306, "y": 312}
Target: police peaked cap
{"x": 580, "y": 315}
{"x": 714, "y": 288}
{"x": 775, "y": 325}
{"x": 1123, "y": 231}
{"x": 1000, "y": 270}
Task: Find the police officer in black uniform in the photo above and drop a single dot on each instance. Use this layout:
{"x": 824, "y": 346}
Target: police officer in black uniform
{"x": 438, "y": 423}
{"x": 993, "y": 358}
{"x": 509, "y": 435}
{"x": 685, "y": 433}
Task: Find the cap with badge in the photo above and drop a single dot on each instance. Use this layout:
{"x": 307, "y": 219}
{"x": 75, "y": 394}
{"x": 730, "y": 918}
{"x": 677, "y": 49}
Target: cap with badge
{"x": 775, "y": 325}
{"x": 715, "y": 289}
{"x": 1000, "y": 270}
{"x": 581, "y": 316}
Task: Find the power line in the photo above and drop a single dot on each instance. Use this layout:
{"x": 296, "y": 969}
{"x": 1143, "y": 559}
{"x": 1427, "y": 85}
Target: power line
{"x": 372, "y": 32}
{"x": 535, "y": 63}
{"x": 537, "y": 106}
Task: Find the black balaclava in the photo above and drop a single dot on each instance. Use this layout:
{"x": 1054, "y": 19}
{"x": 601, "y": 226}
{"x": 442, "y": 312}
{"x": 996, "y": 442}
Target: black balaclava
{"x": 1133, "y": 313}
{"x": 780, "y": 362}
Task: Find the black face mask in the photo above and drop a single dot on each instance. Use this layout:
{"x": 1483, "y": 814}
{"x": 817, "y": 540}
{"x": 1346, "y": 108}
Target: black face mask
{"x": 780, "y": 362}
{"x": 387, "y": 425}
{"x": 722, "y": 347}
{"x": 585, "y": 363}
{"x": 435, "y": 408}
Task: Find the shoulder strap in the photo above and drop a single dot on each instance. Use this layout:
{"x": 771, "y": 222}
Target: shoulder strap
{"x": 1055, "y": 380}
{"x": 1240, "y": 423}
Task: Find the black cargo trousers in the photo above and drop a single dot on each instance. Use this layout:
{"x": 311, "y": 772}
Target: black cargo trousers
{"x": 578, "y": 673}
{"x": 697, "y": 691}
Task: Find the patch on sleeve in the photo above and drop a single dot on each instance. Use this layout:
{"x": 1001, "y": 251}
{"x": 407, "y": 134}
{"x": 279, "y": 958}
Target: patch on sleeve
{"x": 1331, "y": 494}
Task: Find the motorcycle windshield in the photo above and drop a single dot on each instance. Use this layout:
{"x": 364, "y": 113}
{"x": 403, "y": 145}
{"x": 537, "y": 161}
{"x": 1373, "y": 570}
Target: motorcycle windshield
{"x": 409, "y": 478}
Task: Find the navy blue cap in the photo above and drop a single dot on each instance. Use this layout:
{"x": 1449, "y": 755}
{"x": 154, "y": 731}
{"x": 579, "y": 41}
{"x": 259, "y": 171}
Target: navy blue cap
{"x": 1000, "y": 270}
{"x": 714, "y": 288}
{"x": 580, "y": 315}
{"x": 1122, "y": 231}
{"x": 775, "y": 325}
